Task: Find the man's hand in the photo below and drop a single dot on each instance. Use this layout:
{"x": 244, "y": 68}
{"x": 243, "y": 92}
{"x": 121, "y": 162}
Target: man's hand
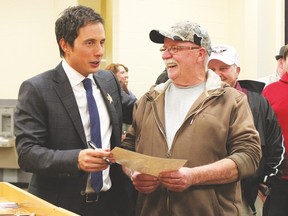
{"x": 177, "y": 180}
{"x": 144, "y": 183}
{"x": 220, "y": 172}
{"x": 90, "y": 160}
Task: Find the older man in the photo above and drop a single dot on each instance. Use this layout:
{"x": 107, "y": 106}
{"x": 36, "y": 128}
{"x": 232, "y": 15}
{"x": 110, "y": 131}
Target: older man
{"x": 225, "y": 62}
{"x": 193, "y": 116}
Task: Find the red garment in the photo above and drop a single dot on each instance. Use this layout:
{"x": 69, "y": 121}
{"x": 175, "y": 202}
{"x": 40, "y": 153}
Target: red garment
{"x": 277, "y": 95}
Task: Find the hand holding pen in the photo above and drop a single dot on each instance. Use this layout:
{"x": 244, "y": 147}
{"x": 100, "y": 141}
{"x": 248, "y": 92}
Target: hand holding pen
{"x": 95, "y": 159}
{"x": 93, "y": 146}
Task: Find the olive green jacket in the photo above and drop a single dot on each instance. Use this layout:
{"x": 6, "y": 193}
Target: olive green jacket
{"x": 218, "y": 125}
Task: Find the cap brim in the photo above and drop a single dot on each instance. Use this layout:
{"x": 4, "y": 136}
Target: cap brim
{"x": 156, "y": 37}
{"x": 277, "y": 57}
{"x": 224, "y": 60}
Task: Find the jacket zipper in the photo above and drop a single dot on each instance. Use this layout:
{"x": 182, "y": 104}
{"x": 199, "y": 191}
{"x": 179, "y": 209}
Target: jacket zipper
{"x": 156, "y": 117}
{"x": 169, "y": 154}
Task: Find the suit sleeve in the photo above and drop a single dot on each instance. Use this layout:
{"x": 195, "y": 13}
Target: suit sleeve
{"x": 36, "y": 150}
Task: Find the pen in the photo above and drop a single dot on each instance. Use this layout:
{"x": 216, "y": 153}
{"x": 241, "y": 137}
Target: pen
{"x": 92, "y": 145}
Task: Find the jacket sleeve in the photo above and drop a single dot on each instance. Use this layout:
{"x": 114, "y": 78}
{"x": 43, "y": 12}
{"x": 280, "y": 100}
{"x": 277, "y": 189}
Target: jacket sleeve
{"x": 244, "y": 142}
{"x": 128, "y": 101}
{"x": 134, "y": 131}
{"x": 273, "y": 146}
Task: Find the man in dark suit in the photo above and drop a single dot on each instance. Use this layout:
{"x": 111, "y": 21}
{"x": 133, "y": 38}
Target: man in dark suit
{"x": 52, "y": 123}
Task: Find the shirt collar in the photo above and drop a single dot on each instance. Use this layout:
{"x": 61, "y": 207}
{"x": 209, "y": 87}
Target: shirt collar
{"x": 74, "y": 77}
{"x": 239, "y": 88}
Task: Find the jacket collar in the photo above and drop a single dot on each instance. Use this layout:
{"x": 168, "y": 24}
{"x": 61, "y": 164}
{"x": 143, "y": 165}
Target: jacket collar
{"x": 213, "y": 82}
{"x": 251, "y": 85}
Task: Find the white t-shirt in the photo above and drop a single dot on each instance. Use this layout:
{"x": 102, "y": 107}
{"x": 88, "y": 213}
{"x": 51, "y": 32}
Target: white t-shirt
{"x": 178, "y": 101}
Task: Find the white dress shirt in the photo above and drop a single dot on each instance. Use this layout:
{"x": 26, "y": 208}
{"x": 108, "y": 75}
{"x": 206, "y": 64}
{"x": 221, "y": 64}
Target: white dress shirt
{"x": 75, "y": 80}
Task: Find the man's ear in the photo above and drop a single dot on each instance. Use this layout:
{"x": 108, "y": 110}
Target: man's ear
{"x": 238, "y": 69}
{"x": 65, "y": 46}
{"x": 202, "y": 54}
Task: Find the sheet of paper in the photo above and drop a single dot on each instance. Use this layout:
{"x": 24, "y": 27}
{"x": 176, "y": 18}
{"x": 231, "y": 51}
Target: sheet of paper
{"x": 144, "y": 163}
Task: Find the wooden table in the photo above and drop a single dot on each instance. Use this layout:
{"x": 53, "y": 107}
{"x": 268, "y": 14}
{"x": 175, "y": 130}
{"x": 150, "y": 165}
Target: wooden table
{"x": 28, "y": 203}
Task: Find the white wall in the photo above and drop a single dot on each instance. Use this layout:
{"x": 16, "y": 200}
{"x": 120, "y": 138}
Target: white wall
{"x": 28, "y": 45}
{"x": 27, "y": 40}
{"x": 254, "y": 27}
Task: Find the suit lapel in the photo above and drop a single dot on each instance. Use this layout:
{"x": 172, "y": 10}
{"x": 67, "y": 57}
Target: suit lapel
{"x": 104, "y": 87}
{"x": 66, "y": 95}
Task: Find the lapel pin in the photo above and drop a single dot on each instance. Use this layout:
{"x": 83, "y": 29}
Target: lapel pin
{"x": 109, "y": 98}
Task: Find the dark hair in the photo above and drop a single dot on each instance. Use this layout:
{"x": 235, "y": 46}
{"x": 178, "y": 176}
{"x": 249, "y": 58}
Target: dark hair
{"x": 71, "y": 20}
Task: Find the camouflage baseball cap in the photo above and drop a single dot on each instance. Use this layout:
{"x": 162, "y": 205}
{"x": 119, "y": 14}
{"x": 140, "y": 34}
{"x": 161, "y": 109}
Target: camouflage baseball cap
{"x": 184, "y": 31}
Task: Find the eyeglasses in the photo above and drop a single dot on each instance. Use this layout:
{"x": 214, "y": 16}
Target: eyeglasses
{"x": 175, "y": 49}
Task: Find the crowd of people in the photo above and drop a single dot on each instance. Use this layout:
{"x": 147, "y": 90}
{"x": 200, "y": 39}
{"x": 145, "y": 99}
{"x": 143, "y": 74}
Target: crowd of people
{"x": 69, "y": 118}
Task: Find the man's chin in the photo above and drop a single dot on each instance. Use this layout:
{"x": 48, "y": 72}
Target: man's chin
{"x": 172, "y": 74}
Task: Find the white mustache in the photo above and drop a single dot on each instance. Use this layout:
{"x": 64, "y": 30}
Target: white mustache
{"x": 169, "y": 62}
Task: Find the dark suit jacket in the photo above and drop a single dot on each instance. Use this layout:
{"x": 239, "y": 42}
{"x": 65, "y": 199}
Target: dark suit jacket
{"x": 49, "y": 136}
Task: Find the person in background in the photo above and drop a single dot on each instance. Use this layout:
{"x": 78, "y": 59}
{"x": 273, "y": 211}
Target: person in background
{"x": 126, "y": 79}
{"x": 121, "y": 71}
{"x": 224, "y": 61}
{"x": 163, "y": 77}
{"x": 277, "y": 95}
{"x": 183, "y": 119}
{"x": 279, "y": 70}
{"x": 53, "y": 124}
